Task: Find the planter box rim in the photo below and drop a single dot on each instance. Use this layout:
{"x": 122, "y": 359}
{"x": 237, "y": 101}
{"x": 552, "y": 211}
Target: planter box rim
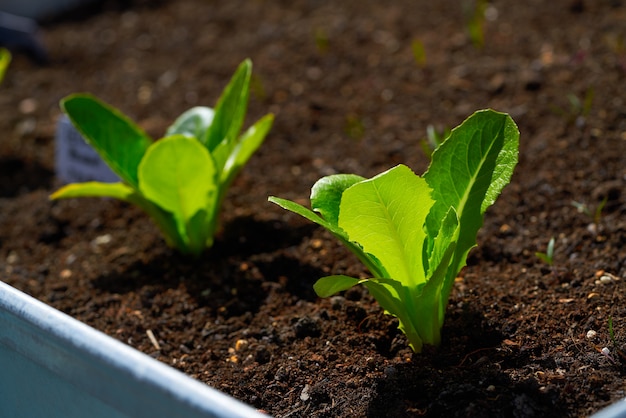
{"x": 84, "y": 358}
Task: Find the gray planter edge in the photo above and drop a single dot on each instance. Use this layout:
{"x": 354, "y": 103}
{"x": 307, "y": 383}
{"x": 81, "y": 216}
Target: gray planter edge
{"x": 615, "y": 410}
{"x": 40, "y": 9}
{"x": 54, "y": 365}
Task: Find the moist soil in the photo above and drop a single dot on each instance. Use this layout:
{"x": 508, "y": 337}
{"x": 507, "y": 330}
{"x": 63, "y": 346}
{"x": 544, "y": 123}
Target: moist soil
{"x": 350, "y": 94}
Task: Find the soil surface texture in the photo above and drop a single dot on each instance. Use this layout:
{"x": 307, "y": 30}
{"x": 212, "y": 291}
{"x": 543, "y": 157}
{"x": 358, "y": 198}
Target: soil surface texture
{"x": 354, "y": 86}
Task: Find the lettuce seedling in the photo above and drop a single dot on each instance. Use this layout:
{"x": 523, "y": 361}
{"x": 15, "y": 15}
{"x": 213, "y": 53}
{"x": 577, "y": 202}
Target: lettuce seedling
{"x": 414, "y": 233}
{"x": 181, "y": 179}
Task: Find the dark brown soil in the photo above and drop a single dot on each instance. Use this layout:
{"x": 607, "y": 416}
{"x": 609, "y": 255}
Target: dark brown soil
{"x": 348, "y": 96}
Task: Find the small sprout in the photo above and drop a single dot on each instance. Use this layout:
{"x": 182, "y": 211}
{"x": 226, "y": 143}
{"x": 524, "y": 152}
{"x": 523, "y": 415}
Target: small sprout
{"x": 419, "y": 52}
{"x": 5, "y": 60}
{"x": 582, "y": 107}
{"x": 321, "y": 40}
{"x": 414, "y": 233}
{"x": 354, "y": 127}
{"x": 475, "y": 12}
{"x": 611, "y": 330}
{"x": 581, "y": 207}
{"x": 433, "y": 139}
{"x": 548, "y": 256}
{"x": 578, "y": 108}
{"x": 596, "y": 215}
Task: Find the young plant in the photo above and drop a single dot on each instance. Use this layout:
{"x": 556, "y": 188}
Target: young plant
{"x": 578, "y": 109}
{"x": 322, "y": 40}
{"x": 180, "y": 180}
{"x": 5, "y": 60}
{"x": 434, "y": 138}
{"x": 414, "y": 233}
{"x": 596, "y": 214}
{"x": 475, "y": 21}
{"x": 419, "y": 52}
{"x": 548, "y": 256}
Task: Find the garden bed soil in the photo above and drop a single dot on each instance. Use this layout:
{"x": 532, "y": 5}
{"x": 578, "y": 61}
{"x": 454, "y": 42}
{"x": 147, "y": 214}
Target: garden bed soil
{"x": 349, "y": 95}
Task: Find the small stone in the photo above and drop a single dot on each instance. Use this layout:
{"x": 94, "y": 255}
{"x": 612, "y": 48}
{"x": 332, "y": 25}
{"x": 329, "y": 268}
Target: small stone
{"x": 102, "y": 239}
{"x": 606, "y": 279}
{"x": 591, "y": 334}
{"x": 307, "y": 327}
{"x": 241, "y": 345}
{"x": 305, "y": 395}
{"x": 316, "y": 243}
{"x": 13, "y": 258}
{"x": 28, "y": 106}
{"x": 337, "y": 302}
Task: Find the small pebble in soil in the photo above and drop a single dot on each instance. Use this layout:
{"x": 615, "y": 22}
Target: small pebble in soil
{"x": 337, "y": 302}
{"x": 608, "y": 278}
{"x": 28, "y": 106}
{"x": 304, "y": 395}
{"x": 241, "y": 345}
{"x": 390, "y": 371}
{"x": 13, "y": 258}
{"x": 262, "y": 355}
{"x": 591, "y": 334}
{"x": 101, "y": 240}
{"x": 306, "y": 327}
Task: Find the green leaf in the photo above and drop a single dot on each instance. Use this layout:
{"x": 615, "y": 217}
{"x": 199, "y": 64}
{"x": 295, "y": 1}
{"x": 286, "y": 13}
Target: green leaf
{"x": 178, "y": 175}
{"x": 96, "y": 189}
{"x": 230, "y": 110}
{"x": 120, "y": 142}
{"x": 446, "y": 236}
{"x": 385, "y": 215}
{"x": 199, "y": 232}
{"x": 5, "y": 59}
{"x": 249, "y": 142}
{"x": 329, "y": 285}
{"x": 194, "y": 122}
{"x": 467, "y": 173}
{"x": 306, "y": 213}
{"x": 326, "y": 194}
{"x": 428, "y": 302}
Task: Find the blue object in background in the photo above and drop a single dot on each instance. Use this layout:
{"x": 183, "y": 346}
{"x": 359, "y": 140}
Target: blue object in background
{"x": 75, "y": 160}
{"x": 20, "y": 35}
